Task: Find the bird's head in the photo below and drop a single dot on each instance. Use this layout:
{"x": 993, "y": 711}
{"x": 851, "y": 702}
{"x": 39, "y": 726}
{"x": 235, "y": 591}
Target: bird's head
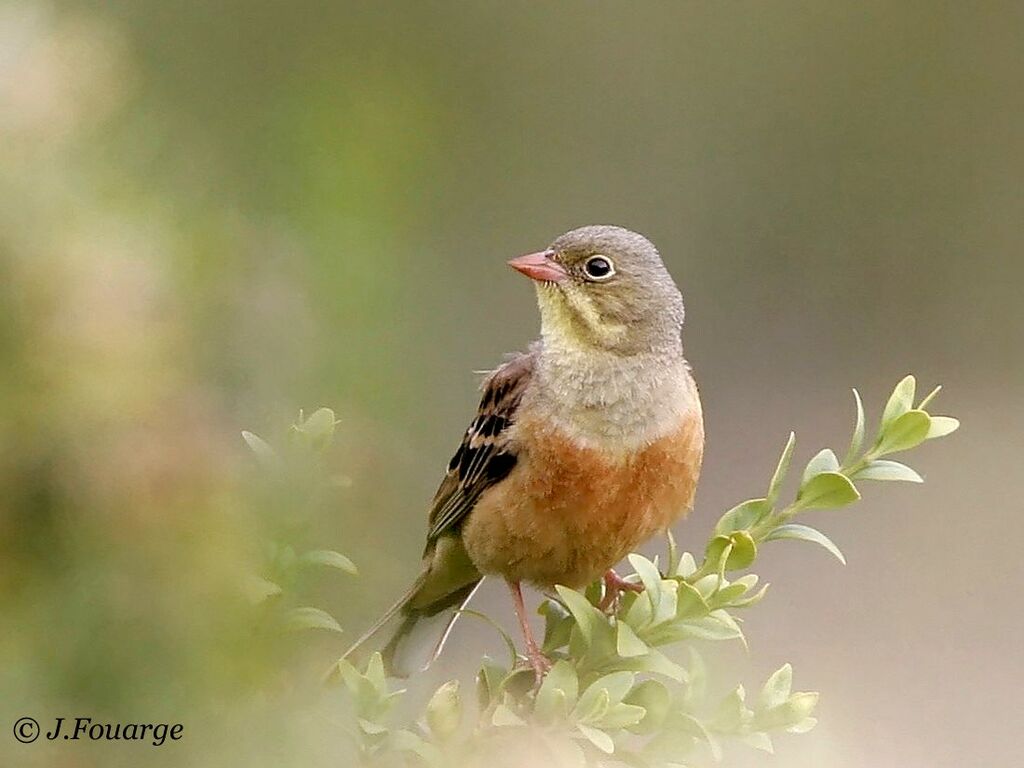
{"x": 605, "y": 287}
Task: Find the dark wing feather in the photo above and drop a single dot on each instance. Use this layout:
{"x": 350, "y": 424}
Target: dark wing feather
{"x": 485, "y": 456}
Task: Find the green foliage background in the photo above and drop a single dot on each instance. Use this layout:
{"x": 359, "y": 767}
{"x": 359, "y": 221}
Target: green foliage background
{"x": 215, "y": 214}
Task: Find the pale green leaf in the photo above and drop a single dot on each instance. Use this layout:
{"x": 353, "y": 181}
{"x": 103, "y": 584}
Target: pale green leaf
{"x": 804, "y": 725}
{"x": 260, "y": 448}
{"x": 444, "y": 710}
{"x": 592, "y": 706}
{"x": 908, "y": 431}
{"x": 655, "y": 700}
{"x": 857, "y": 441}
{"x": 557, "y": 693}
{"x": 742, "y": 516}
{"x": 781, "y": 470}
{"x": 824, "y": 461}
{"x": 883, "y": 469}
{"x": 759, "y": 740}
{"x": 942, "y": 426}
{"x": 777, "y": 688}
{"x": 622, "y": 716}
{"x": 627, "y": 644}
{"x": 900, "y": 401}
{"x": 826, "y": 491}
{"x": 806, "y": 533}
{"x": 257, "y": 589}
{"x": 687, "y": 566}
{"x": 503, "y": 716}
{"x": 586, "y": 615}
{"x": 598, "y": 738}
{"x": 330, "y": 559}
{"x": 310, "y": 618}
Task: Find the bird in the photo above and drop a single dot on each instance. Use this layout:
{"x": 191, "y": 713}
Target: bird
{"x": 582, "y": 447}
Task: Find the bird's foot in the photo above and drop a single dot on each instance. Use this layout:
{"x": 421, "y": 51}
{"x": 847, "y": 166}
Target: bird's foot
{"x": 614, "y": 586}
{"x": 540, "y": 663}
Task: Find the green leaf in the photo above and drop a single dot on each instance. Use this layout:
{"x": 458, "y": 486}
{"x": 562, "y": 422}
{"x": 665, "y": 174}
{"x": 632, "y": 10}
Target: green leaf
{"x": 743, "y": 516}
{"x": 586, "y": 615}
{"x": 673, "y": 553}
{"x": 758, "y": 740}
{"x": 781, "y": 470}
{"x": 616, "y": 685}
{"x": 712, "y": 627}
{"x": 653, "y": 661}
{"x": 900, "y": 401}
{"x": 795, "y": 710}
{"x": 592, "y": 706}
{"x": 806, "y": 533}
{"x": 407, "y": 741}
{"x": 649, "y": 575}
{"x": 598, "y": 738}
{"x": 824, "y": 461}
{"x": 444, "y": 710}
{"x": 883, "y": 469}
{"x": 622, "y": 716}
{"x": 777, "y": 688}
{"x": 687, "y": 566}
{"x": 257, "y": 589}
{"x": 375, "y": 673}
{"x": 744, "y": 551}
{"x": 907, "y": 431}
{"x": 696, "y": 727}
{"x": 857, "y": 441}
{"x": 827, "y": 491}
{"x": 729, "y": 714}
{"x": 942, "y": 426}
{"x": 697, "y": 673}
{"x": 330, "y": 559}
{"x": 260, "y": 448}
{"x": 310, "y": 618}
{"x": 503, "y": 716}
{"x": 319, "y": 428}
{"x": 557, "y": 694}
{"x": 803, "y": 726}
{"x": 627, "y": 644}
{"x": 655, "y": 699}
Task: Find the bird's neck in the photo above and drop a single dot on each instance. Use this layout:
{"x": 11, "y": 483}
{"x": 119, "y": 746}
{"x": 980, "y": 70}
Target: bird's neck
{"x": 608, "y": 401}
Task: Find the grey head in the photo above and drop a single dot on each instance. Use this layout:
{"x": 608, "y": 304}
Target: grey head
{"x": 605, "y": 288}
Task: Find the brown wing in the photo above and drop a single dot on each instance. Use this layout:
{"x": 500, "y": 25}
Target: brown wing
{"x": 485, "y": 456}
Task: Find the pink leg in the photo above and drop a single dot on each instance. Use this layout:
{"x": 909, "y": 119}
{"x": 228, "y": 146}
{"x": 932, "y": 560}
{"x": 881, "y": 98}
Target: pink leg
{"x": 614, "y": 585}
{"x": 538, "y": 660}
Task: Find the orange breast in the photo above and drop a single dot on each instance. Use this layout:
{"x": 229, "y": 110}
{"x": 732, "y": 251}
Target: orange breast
{"x": 566, "y": 514}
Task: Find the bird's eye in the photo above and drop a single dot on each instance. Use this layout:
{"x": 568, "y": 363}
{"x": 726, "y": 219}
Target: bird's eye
{"x": 598, "y": 268}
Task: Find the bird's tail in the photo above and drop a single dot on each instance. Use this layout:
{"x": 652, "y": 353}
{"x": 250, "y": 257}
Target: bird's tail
{"x": 410, "y": 615}
{"x": 400, "y": 606}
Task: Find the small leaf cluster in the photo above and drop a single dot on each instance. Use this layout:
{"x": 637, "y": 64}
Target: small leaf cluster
{"x": 617, "y": 693}
{"x": 292, "y": 476}
{"x": 827, "y": 482}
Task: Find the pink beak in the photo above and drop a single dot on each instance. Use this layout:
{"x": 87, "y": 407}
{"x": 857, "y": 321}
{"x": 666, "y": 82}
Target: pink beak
{"x": 540, "y": 266}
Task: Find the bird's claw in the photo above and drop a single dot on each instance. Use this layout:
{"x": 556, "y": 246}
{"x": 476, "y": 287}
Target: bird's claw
{"x": 614, "y": 586}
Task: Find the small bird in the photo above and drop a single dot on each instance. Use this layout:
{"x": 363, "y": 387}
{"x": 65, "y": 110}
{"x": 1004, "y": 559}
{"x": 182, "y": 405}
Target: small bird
{"x": 582, "y": 447}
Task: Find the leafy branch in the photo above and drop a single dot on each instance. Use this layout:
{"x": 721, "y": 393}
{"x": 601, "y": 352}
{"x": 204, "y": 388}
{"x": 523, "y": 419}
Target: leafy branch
{"x": 615, "y": 695}
{"x": 294, "y": 472}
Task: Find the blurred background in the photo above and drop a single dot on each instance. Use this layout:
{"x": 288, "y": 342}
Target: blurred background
{"x": 215, "y": 214}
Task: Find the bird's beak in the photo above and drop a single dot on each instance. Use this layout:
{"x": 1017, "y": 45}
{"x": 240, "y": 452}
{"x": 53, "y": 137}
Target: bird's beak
{"x": 540, "y": 266}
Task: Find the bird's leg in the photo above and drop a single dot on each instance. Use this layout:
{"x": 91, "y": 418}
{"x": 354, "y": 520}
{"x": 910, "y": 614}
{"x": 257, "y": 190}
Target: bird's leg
{"x": 615, "y": 585}
{"x": 538, "y": 660}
